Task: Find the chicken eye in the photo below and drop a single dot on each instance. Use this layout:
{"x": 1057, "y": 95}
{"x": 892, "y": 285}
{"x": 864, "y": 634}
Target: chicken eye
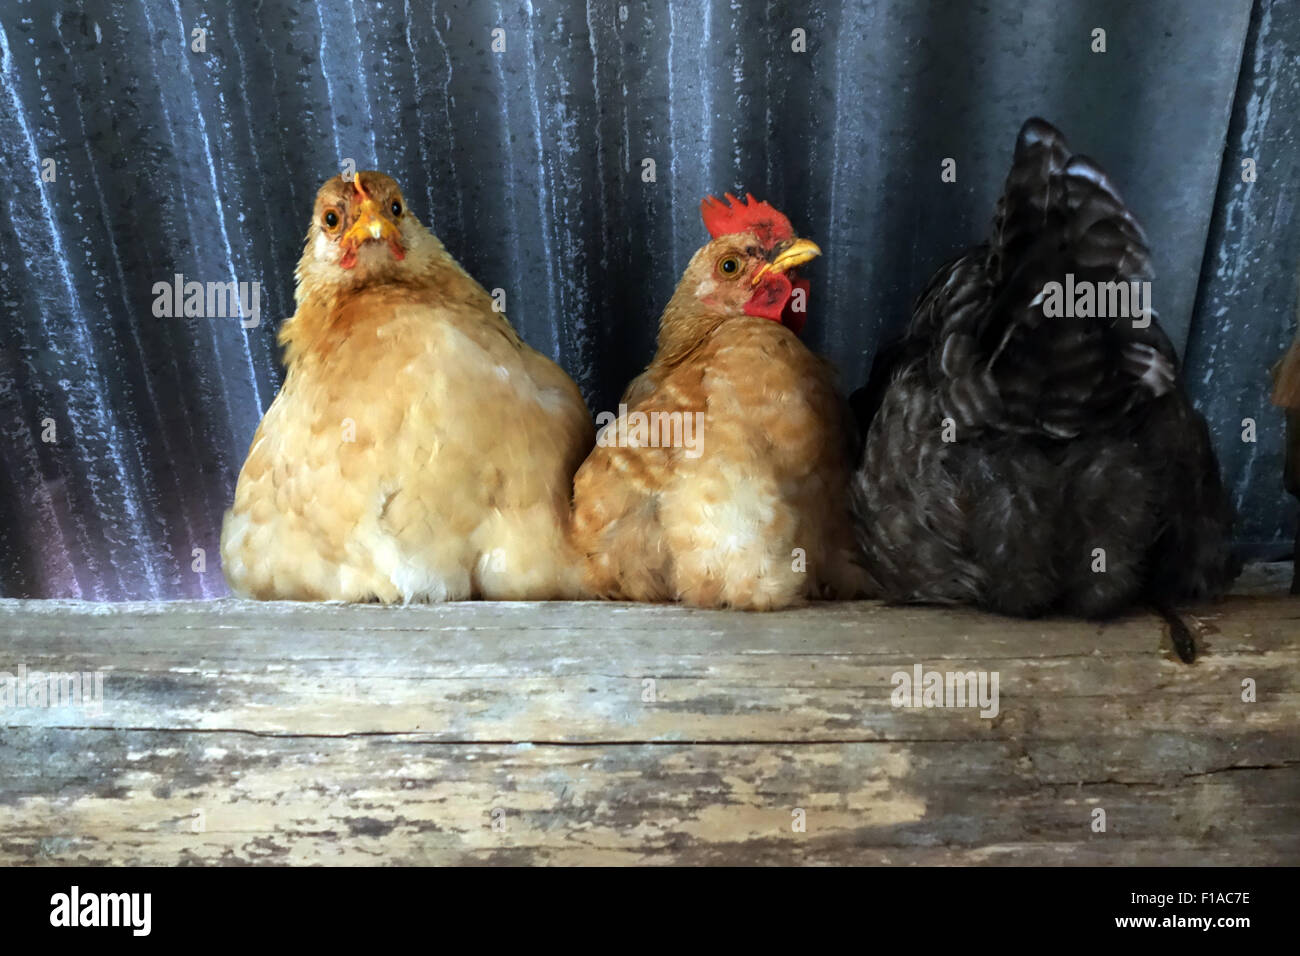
{"x": 331, "y": 219}
{"x": 397, "y": 207}
{"x": 729, "y": 266}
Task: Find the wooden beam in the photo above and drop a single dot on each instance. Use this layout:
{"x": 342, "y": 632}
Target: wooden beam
{"x": 239, "y": 732}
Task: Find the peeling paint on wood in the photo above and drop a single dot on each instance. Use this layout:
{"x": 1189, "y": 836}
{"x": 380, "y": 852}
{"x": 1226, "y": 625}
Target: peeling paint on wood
{"x": 244, "y": 733}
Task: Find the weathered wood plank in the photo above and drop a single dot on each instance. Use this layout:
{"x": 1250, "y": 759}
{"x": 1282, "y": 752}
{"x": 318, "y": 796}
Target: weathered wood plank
{"x": 577, "y": 672}
{"x": 346, "y": 734}
{"x": 134, "y": 797}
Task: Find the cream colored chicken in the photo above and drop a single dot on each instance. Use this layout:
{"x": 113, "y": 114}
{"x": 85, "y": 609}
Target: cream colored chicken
{"x": 419, "y": 450}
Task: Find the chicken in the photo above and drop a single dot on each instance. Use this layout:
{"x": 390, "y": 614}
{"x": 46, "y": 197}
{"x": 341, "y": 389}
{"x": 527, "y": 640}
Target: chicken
{"x": 1286, "y": 395}
{"x": 418, "y": 450}
{"x": 723, "y": 480}
{"x": 1025, "y": 461}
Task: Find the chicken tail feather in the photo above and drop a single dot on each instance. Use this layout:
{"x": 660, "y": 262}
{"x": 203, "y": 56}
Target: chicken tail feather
{"x": 1179, "y": 634}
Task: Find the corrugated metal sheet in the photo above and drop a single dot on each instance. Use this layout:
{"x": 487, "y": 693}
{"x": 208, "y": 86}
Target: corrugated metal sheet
{"x": 1250, "y": 282}
{"x": 528, "y": 164}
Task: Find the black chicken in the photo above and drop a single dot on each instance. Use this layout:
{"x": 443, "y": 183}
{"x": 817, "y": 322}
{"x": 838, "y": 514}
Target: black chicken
{"x": 1027, "y": 463}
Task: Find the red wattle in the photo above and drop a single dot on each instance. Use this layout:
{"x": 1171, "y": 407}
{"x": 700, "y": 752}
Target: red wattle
{"x": 773, "y": 299}
{"x": 350, "y": 254}
{"x": 769, "y": 299}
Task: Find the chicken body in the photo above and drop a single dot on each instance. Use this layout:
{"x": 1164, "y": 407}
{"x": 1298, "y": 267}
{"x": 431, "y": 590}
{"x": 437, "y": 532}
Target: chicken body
{"x": 1028, "y": 463}
{"x": 754, "y": 517}
{"x": 418, "y": 450}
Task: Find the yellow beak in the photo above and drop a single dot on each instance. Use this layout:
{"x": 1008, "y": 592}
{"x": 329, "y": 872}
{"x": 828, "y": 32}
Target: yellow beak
{"x": 371, "y": 224}
{"x": 796, "y": 254}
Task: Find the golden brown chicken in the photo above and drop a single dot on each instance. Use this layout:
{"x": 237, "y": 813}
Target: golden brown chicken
{"x": 419, "y": 450}
{"x": 723, "y": 479}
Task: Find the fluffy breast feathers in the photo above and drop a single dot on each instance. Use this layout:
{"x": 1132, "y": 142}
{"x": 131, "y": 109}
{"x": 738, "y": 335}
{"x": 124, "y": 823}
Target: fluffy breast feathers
{"x": 752, "y": 516}
{"x": 419, "y": 450}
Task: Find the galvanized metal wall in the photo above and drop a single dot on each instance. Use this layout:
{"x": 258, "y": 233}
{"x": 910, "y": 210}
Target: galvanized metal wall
{"x": 528, "y": 163}
{"x": 1250, "y": 281}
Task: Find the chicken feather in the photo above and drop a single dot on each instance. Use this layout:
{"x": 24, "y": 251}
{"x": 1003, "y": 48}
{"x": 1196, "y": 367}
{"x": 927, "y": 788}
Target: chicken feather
{"x": 419, "y": 450}
{"x": 757, "y": 519}
{"x": 1028, "y": 463}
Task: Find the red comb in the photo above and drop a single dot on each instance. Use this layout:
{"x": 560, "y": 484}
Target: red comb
{"x": 744, "y": 215}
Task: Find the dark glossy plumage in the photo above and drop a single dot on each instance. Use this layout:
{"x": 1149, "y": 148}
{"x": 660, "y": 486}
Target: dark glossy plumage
{"x": 1067, "y": 434}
